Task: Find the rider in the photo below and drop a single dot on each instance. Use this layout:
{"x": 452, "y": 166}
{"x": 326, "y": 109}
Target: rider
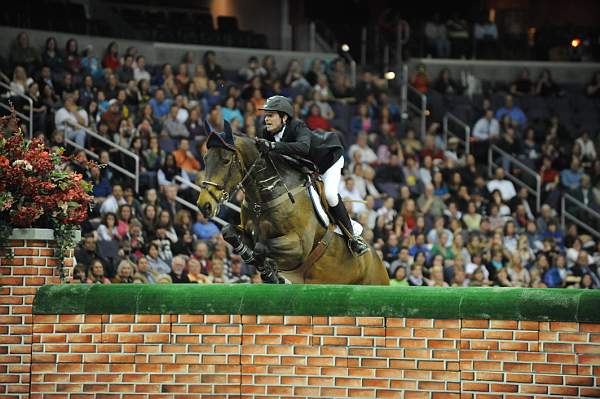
{"x": 287, "y": 135}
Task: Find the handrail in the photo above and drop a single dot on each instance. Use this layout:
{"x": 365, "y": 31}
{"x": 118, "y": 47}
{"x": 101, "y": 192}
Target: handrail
{"x": 467, "y": 140}
{"x": 196, "y": 209}
{"x": 565, "y": 214}
{"x": 29, "y": 100}
{"x": 96, "y": 156}
{"x": 198, "y": 189}
{"x": 423, "y": 109}
{"x": 538, "y": 189}
{"x": 136, "y": 173}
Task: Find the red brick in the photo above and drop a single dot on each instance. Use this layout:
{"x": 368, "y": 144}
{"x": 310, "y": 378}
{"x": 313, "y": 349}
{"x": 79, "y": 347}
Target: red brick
{"x": 564, "y": 326}
{"x": 561, "y": 358}
{"x": 521, "y": 378}
{"x": 582, "y": 381}
{"x": 475, "y": 386}
{"x": 564, "y": 391}
{"x": 588, "y": 327}
{"x": 589, "y": 392}
{"x": 466, "y": 333}
{"x": 342, "y": 320}
{"x": 547, "y": 368}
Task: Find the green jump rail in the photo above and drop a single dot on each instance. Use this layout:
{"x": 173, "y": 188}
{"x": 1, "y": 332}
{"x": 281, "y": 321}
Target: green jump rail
{"x": 323, "y": 300}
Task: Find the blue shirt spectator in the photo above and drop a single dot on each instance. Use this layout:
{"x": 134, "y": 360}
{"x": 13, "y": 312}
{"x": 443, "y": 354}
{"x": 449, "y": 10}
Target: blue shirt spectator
{"x": 571, "y": 178}
{"x": 204, "y": 229}
{"x": 160, "y": 105}
{"x": 515, "y": 113}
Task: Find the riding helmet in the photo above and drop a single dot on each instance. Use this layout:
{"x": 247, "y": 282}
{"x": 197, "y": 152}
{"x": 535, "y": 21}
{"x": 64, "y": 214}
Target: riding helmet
{"x": 279, "y": 104}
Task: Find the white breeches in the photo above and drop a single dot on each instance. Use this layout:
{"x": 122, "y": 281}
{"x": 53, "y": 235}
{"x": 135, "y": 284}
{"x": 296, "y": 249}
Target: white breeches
{"x": 331, "y": 181}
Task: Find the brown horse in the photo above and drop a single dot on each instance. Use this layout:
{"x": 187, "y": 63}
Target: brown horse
{"x": 278, "y": 223}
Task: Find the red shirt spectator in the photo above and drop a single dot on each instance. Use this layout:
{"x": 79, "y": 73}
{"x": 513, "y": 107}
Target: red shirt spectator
{"x": 315, "y": 121}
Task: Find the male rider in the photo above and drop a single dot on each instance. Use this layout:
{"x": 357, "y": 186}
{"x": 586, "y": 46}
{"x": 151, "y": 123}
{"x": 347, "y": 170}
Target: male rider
{"x": 287, "y": 135}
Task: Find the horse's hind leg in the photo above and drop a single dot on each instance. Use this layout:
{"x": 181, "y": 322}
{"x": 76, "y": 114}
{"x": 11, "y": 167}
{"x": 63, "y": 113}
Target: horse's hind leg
{"x": 268, "y": 272}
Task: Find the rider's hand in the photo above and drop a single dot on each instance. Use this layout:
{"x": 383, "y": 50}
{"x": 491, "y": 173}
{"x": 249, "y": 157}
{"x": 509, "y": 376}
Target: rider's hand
{"x": 264, "y": 146}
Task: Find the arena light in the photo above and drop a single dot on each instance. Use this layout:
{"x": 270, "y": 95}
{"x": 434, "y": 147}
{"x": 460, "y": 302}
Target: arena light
{"x": 391, "y": 75}
{"x": 345, "y": 48}
{"x": 575, "y": 42}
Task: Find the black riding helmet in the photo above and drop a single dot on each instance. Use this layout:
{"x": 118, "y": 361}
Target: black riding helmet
{"x": 279, "y": 104}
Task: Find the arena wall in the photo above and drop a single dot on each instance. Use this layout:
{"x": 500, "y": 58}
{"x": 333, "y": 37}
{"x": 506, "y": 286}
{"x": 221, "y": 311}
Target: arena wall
{"x": 313, "y": 341}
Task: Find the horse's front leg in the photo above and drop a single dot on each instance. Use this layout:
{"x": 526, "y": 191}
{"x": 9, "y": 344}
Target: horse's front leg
{"x": 256, "y": 257}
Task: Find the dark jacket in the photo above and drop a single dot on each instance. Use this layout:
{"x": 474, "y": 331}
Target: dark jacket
{"x": 323, "y": 149}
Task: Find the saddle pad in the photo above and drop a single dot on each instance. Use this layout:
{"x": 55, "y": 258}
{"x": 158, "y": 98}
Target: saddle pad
{"x": 322, "y": 215}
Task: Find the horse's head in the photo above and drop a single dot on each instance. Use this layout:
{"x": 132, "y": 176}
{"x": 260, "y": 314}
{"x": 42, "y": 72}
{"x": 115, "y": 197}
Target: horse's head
{"x": 226, "y": 163}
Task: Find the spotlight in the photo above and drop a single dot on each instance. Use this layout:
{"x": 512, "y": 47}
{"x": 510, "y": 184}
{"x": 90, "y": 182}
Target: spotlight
{"x": 575, "y": 42}
{"x": 345, "y": 48}
{"x": 390, "y": 75}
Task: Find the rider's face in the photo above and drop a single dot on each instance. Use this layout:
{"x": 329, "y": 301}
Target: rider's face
{"x": 273, "y": 121}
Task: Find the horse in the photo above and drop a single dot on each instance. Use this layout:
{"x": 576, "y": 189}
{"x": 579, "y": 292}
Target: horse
{"x": 279, "y": 231}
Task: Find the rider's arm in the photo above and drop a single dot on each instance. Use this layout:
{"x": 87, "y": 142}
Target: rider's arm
{"x": 298, "y": 147}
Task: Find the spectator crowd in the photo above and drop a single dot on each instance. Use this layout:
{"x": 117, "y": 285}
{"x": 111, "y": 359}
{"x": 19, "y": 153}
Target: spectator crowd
{"x": 431, "y": 211}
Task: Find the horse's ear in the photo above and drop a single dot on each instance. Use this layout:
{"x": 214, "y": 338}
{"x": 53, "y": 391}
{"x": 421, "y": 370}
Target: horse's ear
{"x": 228, "y": 132}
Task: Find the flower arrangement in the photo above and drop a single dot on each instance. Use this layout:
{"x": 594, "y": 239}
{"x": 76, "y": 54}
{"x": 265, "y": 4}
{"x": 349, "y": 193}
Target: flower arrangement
{"x": 36, "y": 190}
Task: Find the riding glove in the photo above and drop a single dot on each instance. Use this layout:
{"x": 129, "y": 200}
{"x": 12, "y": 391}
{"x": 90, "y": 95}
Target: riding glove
{"x": 264, "y": 146}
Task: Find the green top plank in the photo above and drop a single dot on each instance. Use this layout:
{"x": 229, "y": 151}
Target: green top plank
{"x": 323, "y": 300}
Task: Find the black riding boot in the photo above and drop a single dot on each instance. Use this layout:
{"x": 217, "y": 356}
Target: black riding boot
{"x": 356, "y": 243}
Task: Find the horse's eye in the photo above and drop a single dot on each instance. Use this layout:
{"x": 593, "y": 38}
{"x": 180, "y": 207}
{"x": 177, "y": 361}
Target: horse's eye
{"x": 226, "y": 161}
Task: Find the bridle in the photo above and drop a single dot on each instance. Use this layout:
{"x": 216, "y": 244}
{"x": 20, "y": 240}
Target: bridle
{"x": 225, "y": 195}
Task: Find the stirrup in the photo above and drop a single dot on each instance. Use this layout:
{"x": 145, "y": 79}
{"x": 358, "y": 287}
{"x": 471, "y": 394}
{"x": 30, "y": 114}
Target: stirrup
{"x": 359, "y": 241}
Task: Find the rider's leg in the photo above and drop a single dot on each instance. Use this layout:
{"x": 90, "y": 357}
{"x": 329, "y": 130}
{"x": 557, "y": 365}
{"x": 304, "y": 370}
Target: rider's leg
{"x": 331, "y": 181}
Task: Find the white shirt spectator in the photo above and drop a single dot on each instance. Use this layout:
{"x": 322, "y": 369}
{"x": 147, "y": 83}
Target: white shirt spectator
{"x": 111, "y": 205}
{"x": 139, "y": 74}
{"x": 485, "y": 128}
{"x": 506, "y": 188}
{"x": 587, "y": 148}
{"x": 63, "y": 118}
{"x": 354, "y": 195}
{"x": 367, "y": 155}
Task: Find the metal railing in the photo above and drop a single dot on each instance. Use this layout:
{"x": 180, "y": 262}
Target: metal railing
{"x": 465, "y": 139}
{"x": 19, "y": 114}
{"x": 535, "y": 189}
{"x": 566, "y": 214}
{"x": 420, "y": 109}
{"x": 135, "y": 175}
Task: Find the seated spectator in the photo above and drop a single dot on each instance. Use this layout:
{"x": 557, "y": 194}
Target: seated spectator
{"x": 195, "y": 274}
{"x": 167, "y": 172}
{"x": 444, "y": 84}
{"x": 97, "y": 274}
{"x": 178, "y": 274}
{"x": 523, "y": 85}
{"x": 182, "y": 79}
{"x": 90, "y": 64}
{"x": 70, "y": 120}
{"x": 173, "y": 127}
{"x": 294, "y": 78}
{"x": 486, "y": 128}
{"x": 107, "y": 231}
{"x": 519, "y": 276}
{"x": 235, "y": 274}
{"x": 420, "y": 80}
{"x": 366, "y": 154}
{"x": 126, "y": 73}
{"x": 86, "y": 254}
{"x": 570, "y": 178}
{"x": 185, "y": 159}
{"x": 203, "y": 228}
{"x": 71, "y": 57}
{"x": 315, "y": 121}
{"x": 485, "y": 33}
{"x": 500, "y": 183}
{"x": 184, "y": 244}
{"x": 546, "y": 86}
{"x": 111, "y": 57}
{"x": 51, "y": 56}
{"x": 431, "y": 204}
{"x": 252, "y": 70}
{"x": 160, "y": 105}
{"x": 113, "y": 201}
{"x": 124, "y": 217}
{"x": 217, "y": 274}
{"x": 112, "y": 117}
{"x": 125, "y": 272}
{"x": 155, "y": 263}
{"x": 586, "y": 145}
{"x": 415, "y": 277}
{"x": 144, "y": 273}
{"x": 515, "y": 113}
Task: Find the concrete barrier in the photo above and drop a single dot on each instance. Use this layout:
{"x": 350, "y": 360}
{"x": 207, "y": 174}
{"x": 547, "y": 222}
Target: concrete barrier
{"x": 314, "y": 341}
